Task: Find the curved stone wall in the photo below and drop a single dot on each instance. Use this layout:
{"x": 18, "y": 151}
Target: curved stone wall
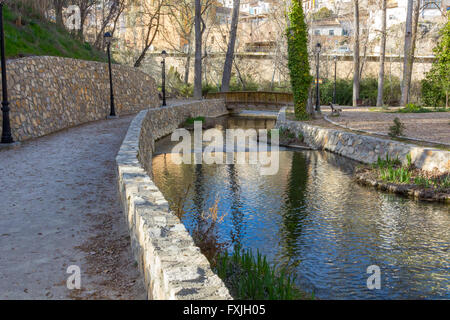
{"x": 48, "y": 94}
{"x": 173, "y": 267}
{"x": 367, "y": 149}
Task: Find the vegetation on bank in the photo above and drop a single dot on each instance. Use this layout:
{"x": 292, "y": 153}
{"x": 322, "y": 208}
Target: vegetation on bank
{"x": 390, "y": 175}
{"x": 392, "y": 170}
{"x": 32, "y": 36}
{"x": 251, "y": 277}
{"x": 190, "y": 121}
{"x": 246, "y": 275}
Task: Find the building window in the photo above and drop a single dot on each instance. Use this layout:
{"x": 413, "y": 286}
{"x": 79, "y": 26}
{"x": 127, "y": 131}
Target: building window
{"x": 317, "y": 32}
{"x": 344, "y": 32}
{"x": 331, "y": 32}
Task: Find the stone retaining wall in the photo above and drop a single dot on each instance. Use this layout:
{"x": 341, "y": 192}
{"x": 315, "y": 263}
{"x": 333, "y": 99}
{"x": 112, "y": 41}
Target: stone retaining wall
{"x": 367, "y": 149}
{"x": 173, "y": 267}
{"x": 163, "y": 121}
{"x": 48, "y": 94}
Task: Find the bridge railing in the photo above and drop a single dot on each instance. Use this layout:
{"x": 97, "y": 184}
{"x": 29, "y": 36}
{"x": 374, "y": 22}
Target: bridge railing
{"x": 254, "y": 98}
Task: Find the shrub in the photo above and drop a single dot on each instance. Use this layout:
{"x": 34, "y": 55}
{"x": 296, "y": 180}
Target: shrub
{"x": 397, "y": 129}
{"x": 249, "y": 84}
{"x": 436, "y": 86}
{"x": 413, "y": 108}
{"x": 344, "y": 89}
{"x": 432, "y": 94}
{"x": 209, "y": 88}
{"x": 368, "y": 91}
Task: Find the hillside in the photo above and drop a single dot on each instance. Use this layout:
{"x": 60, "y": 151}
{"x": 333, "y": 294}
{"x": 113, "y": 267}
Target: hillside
{"x": 38, "y": 37}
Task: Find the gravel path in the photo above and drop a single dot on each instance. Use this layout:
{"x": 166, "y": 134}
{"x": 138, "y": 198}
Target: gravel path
{"x": 59, "y": 208}
{"x": 433, "y": 126}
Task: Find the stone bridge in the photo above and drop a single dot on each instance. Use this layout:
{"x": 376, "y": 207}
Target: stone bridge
{"x": 254, "y": 100}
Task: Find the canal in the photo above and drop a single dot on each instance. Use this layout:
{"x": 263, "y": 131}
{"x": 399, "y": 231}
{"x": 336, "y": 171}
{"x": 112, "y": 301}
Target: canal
{"x": 313, "y": 218}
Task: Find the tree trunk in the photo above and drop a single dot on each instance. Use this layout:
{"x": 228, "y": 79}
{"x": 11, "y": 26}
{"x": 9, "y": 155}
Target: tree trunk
{"x": 141, "y": 57}
{"x": 380, "y": 101}
{"x": 407, "y": 55}
{"x": 83, "y": 15}
{"x": 356, "y": 54}
{"x": 226, "y": 77}
{"x": 58, "y": 4}
{"x": 198, "y": 51}
{"x": 310, "y": 106}
{"x": 415, "y": 24}
{"x": 188, "y": 64}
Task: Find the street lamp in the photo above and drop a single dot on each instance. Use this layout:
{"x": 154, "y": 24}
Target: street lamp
{"x": 334, "y": 89}
{"x": 6, "y": 126}
{"x": 108, "y": 39}
{"x": 318, "y": 48}
{"x": 163, "y": 85}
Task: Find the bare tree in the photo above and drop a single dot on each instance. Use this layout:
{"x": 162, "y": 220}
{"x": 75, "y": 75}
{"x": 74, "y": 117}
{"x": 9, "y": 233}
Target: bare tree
{"x": 407, "y": 61}
{"x": 58, "y": 6}
{"x": 198, "y": 50}
{"x": 201, "y": 7}
{"x": 411, "y": 53}
{"x": 356, "y": 76}
{"x": 382, "y": 54}
{"x": 181, "y": 15}
{"x": 150, "y": 16}
{"x": 85, "y": 9}
{"x": 231, "y": 44}
{"x": 114, "y": 9}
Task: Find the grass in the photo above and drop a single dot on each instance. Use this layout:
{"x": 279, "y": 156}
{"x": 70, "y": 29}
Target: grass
{"x": 412, "y": 108}
{"x": 387, "y": 163}
{"x": 391, "y": 170}
{"x": 191, "y": 121}
{"x": 36, "y": 37}
{"x": 396, "y": 175}
{"x": 251, "y": 277}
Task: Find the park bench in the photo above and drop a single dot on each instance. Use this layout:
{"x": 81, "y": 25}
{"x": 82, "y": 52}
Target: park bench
{"x": 334, "y": 110}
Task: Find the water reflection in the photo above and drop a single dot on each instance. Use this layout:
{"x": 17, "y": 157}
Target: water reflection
{"x": 313, "y": 217}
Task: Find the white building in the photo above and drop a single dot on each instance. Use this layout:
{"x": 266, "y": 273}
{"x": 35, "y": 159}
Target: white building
{"x": 396, "y": 12}
{"x": 256, "y": 7}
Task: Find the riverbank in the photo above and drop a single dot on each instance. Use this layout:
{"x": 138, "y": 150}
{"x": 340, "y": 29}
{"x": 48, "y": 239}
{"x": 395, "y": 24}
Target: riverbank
{"x": 411, "y": 183}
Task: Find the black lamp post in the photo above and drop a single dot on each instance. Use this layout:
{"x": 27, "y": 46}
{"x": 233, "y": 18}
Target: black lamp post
{"x": 334, "y": 89}
{"x": 163, "y": 84}
{"x": 318, "y": 47}
{"x": 108, "y": 39}
{"x": 6, "y": 126}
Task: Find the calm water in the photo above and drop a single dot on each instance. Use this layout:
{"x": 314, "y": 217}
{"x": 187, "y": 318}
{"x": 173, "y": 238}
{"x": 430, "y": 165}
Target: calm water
{"x": 312, "y": 217}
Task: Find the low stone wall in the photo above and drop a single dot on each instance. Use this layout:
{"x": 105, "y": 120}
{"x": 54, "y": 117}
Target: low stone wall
{"x": 173, "y": 267}
{"x": 48, "y": 94}
{"x": 367, "y": 149}
{"x": 163, "y": 121}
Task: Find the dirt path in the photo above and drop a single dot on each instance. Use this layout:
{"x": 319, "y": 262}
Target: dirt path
{"x": 433, "y": 126}
{"x": 60, "y": 208}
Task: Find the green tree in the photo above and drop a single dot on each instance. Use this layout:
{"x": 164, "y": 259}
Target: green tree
{"x": 323, "y": 13}
{"x": 298, "y": 63}
{"x": 436, "y": 86}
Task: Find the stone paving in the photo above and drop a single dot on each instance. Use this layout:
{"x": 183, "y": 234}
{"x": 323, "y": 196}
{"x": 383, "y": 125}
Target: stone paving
{"x": 433, "y": 126}
{"x": 59, "y": 208}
